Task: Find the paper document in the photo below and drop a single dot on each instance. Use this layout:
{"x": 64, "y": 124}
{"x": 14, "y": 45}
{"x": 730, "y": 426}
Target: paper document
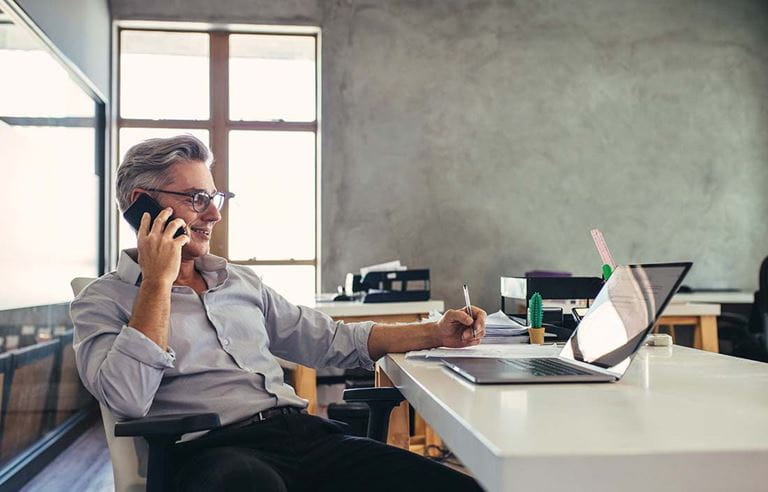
{"x": 493, "y": 351}
{"x": 383, "y": 267}
{"x": 499, "y": 324}
{"x": 504, "y": 339}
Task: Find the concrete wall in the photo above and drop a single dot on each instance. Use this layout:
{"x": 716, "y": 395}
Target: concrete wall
{"x": 81, "y": 30}
{"x": 484, "y": 138}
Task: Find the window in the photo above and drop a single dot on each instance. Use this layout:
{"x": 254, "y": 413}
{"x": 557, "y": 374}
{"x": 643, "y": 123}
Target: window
{"x": 252, "y": 97}
{"x": 52, "y": 140}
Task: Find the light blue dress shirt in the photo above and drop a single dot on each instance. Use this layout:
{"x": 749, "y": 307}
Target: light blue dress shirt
{"x": 222, "y": 344}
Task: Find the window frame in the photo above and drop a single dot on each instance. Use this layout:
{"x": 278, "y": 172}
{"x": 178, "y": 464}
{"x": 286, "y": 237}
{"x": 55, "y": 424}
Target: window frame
{"x": 219, "y": 125}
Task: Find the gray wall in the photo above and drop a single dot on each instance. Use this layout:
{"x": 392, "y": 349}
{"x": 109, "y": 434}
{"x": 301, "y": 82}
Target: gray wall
{"x": 483, "y": 138}
{"x": 81, "y": 30}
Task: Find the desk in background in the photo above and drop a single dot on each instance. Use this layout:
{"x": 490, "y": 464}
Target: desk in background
{"x": 305, "y": 379}
{"x": 703, "y": 317}
{"x": 681, "y": 419}
{"x": 714, "y": 297}
{"x": 705, "y": 326}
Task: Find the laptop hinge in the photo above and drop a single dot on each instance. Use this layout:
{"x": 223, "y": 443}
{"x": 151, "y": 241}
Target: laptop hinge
{"x": 589, "y": 367}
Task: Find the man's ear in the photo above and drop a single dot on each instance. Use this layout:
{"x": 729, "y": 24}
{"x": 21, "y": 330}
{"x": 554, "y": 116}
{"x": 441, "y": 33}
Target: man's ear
{"x": 135, "y": 194}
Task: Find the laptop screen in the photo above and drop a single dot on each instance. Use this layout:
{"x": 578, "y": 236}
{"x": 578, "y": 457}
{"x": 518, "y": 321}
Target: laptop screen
{"x": 623, "y": 313}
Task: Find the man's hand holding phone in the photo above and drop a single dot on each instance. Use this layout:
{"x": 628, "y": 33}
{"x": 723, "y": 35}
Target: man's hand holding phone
{"x": 159, "y": 251}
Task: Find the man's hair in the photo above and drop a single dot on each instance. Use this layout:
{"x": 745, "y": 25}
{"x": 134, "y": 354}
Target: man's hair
{"x": 146, "y": 164}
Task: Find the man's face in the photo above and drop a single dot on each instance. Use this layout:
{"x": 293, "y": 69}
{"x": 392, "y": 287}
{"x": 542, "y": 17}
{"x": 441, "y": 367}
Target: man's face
{"x": 190, "y": 177}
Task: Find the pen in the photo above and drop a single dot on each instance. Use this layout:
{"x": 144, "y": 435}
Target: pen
{"x": 469, "y": 307}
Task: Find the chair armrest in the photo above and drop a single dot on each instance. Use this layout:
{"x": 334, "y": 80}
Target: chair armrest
{"x": 380, "y": 401}
{"x": 392, "y": 395}
{"x": 167, "y": 425}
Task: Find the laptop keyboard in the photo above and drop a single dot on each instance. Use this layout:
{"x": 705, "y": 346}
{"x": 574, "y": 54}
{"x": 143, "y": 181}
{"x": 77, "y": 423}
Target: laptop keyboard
{"x": 544, "y": 367}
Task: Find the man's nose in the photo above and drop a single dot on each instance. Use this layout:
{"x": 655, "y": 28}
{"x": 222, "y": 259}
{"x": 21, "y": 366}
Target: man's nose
{"x": 211, "y": 214}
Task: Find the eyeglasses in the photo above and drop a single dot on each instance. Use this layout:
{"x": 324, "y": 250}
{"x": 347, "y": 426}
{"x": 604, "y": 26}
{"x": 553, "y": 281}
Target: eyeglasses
{"x": 201, "y": 199}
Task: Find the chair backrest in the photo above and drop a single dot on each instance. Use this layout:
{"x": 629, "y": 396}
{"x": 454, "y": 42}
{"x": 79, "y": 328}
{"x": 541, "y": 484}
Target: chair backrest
{"x": 128, "y": 454}
{"x": 79, "y": 283}
{"x": 758, "y": 322}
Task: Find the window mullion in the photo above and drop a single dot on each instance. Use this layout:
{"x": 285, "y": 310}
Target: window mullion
{"x": 219, "y": 101}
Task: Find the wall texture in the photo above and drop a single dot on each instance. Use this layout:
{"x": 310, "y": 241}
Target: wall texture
{"x": 485, "y": 138}
{"x": 81, "y": 30}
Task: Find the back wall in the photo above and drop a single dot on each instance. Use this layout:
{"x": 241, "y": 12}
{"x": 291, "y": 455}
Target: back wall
{"x": 483, "y": 138}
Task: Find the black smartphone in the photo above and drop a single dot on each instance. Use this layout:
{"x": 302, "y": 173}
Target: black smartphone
{"x": 145, "y": 203}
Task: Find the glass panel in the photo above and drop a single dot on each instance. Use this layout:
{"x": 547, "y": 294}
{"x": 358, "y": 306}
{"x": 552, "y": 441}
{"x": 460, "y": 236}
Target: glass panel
{"x": 130, "y": 137}
{"x": 48, "y": 137}
{"x": 164, "y": 75}
{"x": 48, "y": 162}
{"x": 271, "y": 77}
{"x": 273, "y": 215}
{"x": 294, "y": 282}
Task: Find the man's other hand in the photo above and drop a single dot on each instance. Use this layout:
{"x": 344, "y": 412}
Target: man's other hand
{"x": 455, "y": 327}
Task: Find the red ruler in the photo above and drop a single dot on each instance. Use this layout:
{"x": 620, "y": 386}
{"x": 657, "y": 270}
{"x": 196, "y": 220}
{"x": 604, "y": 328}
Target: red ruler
{"x": 602, "y": 248}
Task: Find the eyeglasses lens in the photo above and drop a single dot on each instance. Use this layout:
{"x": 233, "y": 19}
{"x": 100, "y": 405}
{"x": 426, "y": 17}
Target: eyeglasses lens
{"x": 200, "y": 202}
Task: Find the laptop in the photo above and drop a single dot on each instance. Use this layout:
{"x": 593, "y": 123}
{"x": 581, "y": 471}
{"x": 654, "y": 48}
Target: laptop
{"x": 603, "y": 345}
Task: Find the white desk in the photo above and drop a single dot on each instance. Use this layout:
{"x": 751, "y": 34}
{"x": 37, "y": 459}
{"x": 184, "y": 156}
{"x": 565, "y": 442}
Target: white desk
{"x": 715, "y": 297}
{"x": 681, "y": 419}
{"x": 378, "y": 310}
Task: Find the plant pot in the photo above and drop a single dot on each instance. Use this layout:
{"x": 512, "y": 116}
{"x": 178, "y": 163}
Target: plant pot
{"x": 536, "y": 335}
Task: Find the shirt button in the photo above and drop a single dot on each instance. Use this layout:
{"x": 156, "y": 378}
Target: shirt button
{"x": 225, "y": 341}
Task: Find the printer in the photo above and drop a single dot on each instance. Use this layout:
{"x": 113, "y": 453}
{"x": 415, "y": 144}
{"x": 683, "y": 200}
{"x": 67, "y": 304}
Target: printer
{"x": 558, "y": 293}
{"x": 390, "y": 286}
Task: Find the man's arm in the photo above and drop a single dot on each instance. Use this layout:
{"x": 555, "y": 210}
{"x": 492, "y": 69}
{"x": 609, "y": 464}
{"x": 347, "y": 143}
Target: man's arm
{"x": 122, "y": 364}
{"x": 159, "y": 259}
{"x": 453, "y": 330}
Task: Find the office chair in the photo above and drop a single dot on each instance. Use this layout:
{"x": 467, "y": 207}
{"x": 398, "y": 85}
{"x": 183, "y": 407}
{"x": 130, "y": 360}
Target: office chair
{"x": 756, "y": 346}
{"x": 140, "y": 448}
{"x": 748, "y": 335}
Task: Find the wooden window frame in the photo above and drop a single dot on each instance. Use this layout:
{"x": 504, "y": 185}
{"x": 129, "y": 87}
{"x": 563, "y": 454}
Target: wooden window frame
{"x": 219, "y": 125}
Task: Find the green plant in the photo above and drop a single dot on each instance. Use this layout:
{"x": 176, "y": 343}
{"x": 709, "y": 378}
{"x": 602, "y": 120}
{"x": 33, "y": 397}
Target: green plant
{"x": 535, "y": 310}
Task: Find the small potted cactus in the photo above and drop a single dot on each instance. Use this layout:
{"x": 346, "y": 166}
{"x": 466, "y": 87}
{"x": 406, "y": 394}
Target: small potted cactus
{"x": 535, "y": 317}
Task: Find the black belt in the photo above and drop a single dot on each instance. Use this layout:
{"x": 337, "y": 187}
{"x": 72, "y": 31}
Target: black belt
{"x": 261, "y": 416}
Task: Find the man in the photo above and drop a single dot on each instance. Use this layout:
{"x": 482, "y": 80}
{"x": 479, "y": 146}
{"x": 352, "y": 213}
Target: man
{"x": 178, "y": 330}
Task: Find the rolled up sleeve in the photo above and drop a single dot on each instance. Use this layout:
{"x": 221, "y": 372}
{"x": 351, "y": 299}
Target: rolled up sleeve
{"x": 311, "y": 338}
{"x": 118, "y": 364}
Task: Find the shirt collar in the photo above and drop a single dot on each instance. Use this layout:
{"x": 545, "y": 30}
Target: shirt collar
{"x": 129, "y": 271}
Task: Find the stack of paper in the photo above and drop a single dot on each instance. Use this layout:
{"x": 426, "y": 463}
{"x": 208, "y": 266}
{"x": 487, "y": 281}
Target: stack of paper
{"x": 500, "y": 329}
{"x": 489, "y": 351}
{"x": 499, "y": 324}
{"x": 383, "y": 267}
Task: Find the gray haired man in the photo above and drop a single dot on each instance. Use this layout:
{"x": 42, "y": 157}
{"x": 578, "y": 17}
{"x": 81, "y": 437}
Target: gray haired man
{"x": 177, "y": 330}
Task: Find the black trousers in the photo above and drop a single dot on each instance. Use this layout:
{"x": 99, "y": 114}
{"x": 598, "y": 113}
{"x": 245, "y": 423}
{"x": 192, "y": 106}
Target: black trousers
{"x": 300, "y": 452}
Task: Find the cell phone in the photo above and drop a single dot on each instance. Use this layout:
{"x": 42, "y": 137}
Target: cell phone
{"x": 145, "y": 203}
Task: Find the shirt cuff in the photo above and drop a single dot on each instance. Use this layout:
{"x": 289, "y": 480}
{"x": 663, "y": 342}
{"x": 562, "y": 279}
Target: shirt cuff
{"x": 360, "y": 334}
{"x": 140, "y": 347}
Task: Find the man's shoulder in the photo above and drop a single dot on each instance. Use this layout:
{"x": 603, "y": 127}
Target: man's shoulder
{"x": 109, "y": 285}
{"x": 244, "y": 273}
